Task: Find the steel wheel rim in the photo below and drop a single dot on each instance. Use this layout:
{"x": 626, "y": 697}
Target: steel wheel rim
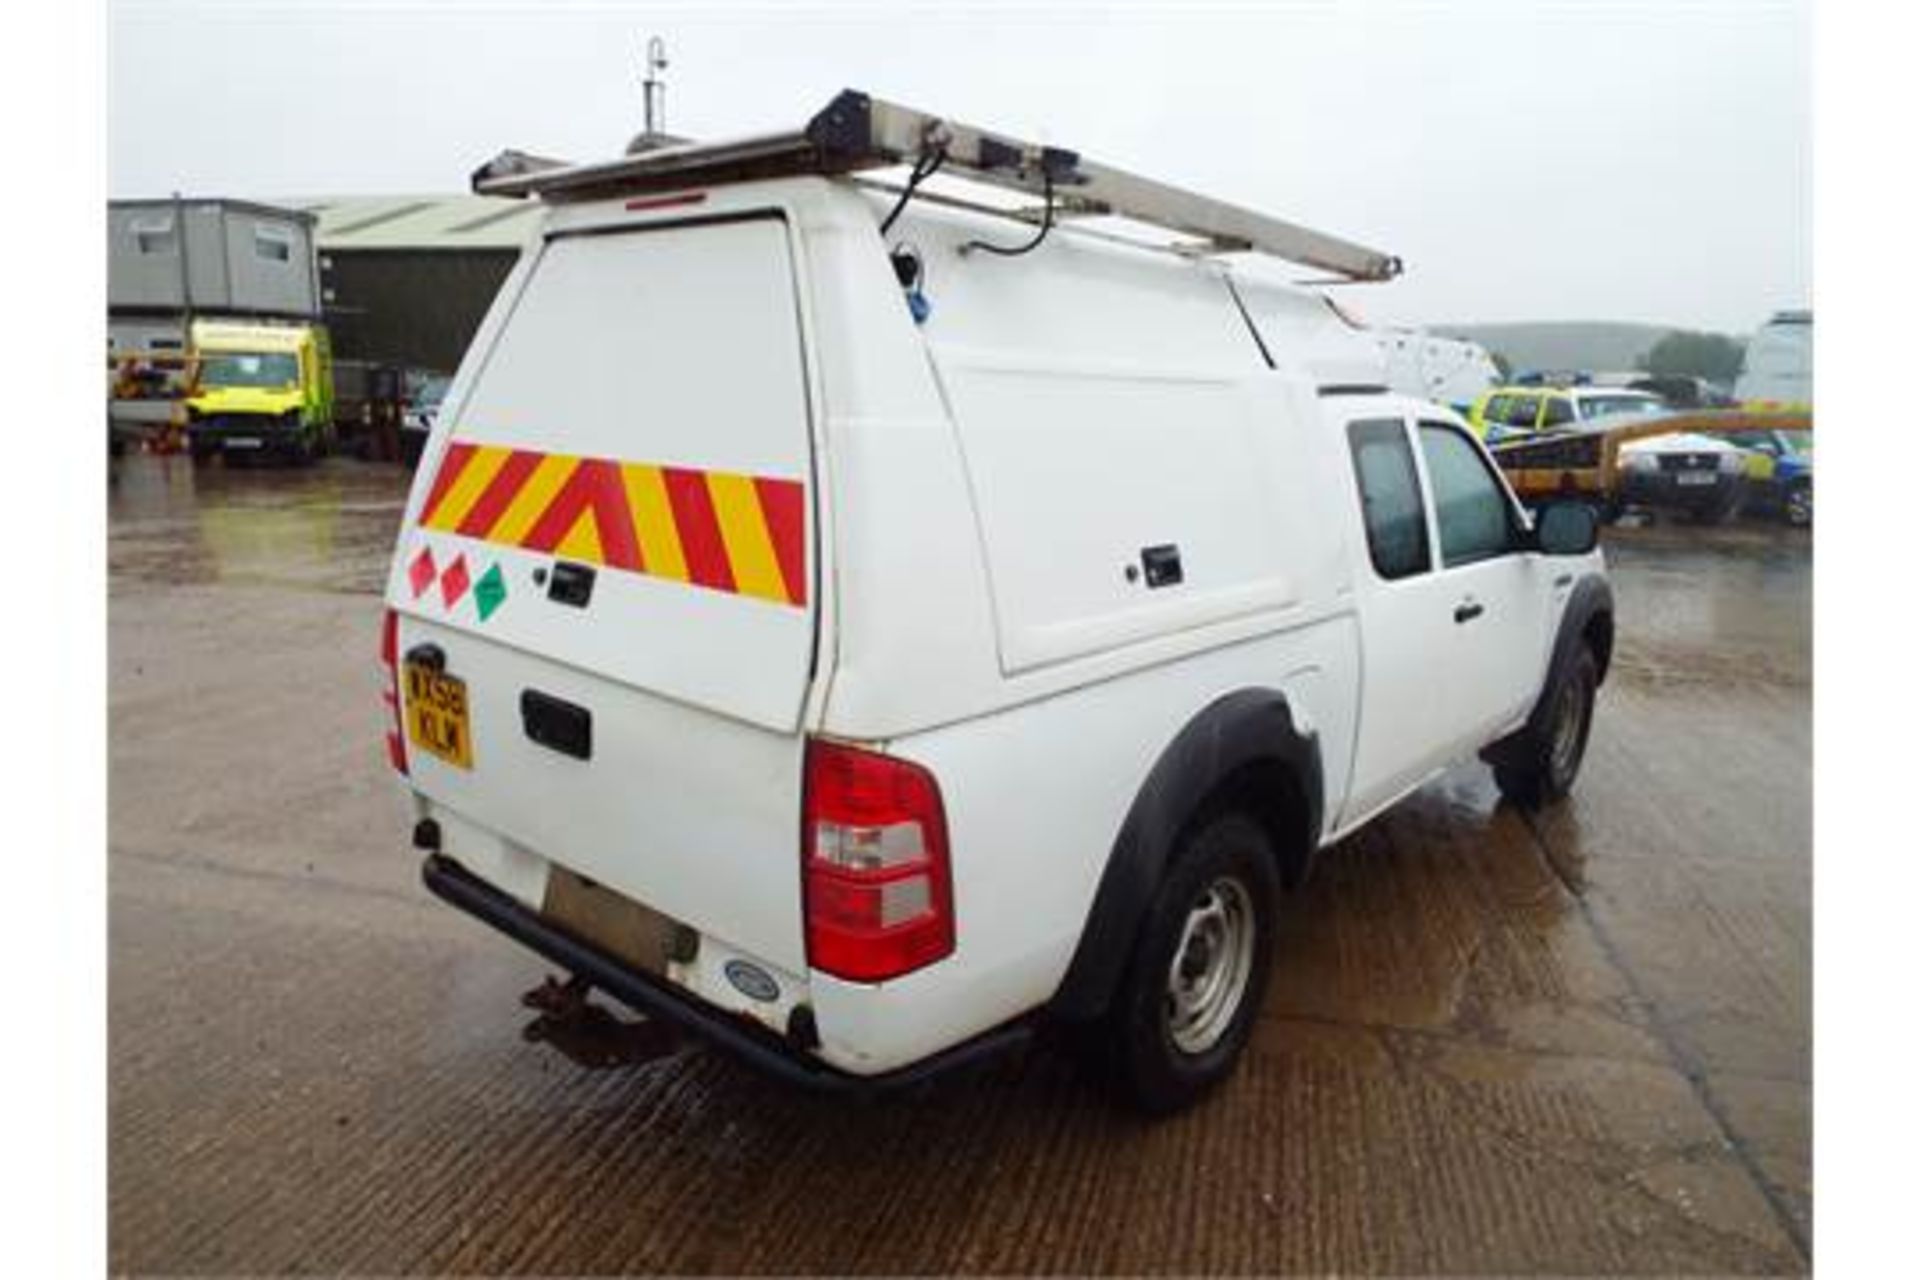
{"x": 1212, "y": 963}
{"x": 1566, "y": 730}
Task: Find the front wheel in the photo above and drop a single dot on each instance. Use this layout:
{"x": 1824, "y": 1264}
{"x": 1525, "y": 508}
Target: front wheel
{"x": 1186, "y": 1008}
{"x": 1546, "y": 762}
{"x": 1800, "y": 507}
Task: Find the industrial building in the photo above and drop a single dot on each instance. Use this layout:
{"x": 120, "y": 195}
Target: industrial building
{"x": 173, "y": 258}
{"x": 405, "y": 280}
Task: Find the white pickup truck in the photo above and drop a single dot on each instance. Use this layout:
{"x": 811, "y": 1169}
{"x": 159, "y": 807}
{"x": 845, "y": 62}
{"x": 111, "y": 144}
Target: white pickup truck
{"x": 863, "y": 619}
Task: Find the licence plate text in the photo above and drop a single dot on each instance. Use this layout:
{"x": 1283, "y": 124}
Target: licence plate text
{"x": 437, "y": 715}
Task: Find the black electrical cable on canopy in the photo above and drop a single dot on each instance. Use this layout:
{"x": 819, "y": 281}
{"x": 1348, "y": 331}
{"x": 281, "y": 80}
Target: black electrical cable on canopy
{"x": 923, "y": 168}
{"x": 1046, "y": 225}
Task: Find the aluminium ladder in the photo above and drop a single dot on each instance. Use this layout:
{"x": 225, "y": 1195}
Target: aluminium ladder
{"x": 856, "y": 132}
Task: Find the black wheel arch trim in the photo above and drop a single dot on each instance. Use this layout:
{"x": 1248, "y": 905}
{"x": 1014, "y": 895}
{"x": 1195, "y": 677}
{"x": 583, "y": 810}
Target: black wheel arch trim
{"x": 1249, "y": 728}
{"x": 1592, "y": 598}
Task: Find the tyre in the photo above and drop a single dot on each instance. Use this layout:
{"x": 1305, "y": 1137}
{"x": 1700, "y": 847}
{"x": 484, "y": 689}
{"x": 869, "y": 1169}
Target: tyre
{"x": 1546, "y": 762}
{"x": 1800, "y": 507}
{"x": 1193, "y": 986}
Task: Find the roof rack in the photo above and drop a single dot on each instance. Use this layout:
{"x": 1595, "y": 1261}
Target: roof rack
{"x": 856, "y": 132}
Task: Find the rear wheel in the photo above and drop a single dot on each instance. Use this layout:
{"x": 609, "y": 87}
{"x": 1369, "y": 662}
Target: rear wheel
{"x": 1546, "y": 761}
{"x": 1193, "y": 987}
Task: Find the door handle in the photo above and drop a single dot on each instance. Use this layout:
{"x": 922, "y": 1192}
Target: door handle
{"x": 557, "y": 724}
{"x": 1468, "y": 612}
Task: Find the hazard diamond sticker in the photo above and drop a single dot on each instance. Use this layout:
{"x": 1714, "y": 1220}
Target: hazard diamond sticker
{"x": 453, "y": 581}
{"x": 421, "y": 573}
{"x": 490, "y": 591}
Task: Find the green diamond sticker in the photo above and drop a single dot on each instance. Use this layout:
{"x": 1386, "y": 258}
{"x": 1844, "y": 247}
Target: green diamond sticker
{"x": 490, "y": 591}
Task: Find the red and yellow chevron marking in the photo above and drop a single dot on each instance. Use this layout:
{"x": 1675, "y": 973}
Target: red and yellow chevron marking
{"x": 716, "y": 529}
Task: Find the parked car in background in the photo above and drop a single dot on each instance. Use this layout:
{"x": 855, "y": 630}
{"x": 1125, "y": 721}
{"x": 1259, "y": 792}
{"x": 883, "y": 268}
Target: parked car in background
{"x": 1684, "y": 391}
{"x": 424, "y": 394}
{"x": 264, "y": 390}
{"x": 1702, "y": 476}
{"x": 1779, "y": 472}
{"x": 1687, "y": 460}
{"x": 1505, "y": 411}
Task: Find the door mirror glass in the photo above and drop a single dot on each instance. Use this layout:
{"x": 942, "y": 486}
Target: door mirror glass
{"x": 1567, "y": 529}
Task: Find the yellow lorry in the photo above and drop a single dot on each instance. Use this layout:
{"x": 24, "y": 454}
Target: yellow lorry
{"x": 264, "y": 390}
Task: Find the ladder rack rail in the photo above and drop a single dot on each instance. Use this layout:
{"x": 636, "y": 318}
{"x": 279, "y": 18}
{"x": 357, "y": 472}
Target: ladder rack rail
{"x": 855, "y": 132}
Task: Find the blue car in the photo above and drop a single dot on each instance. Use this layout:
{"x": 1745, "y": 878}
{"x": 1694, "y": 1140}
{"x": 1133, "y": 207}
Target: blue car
{"x": 1779, "y": 472}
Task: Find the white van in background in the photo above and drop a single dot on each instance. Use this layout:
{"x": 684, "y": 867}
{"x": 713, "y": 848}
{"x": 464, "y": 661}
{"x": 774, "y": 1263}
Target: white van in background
{"x": 1449, "y": 371}
{"x": 862, "y": 621}
{"x": 1777, "y": 369}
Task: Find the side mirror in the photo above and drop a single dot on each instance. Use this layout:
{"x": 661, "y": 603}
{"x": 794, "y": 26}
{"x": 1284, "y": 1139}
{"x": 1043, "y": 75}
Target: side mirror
{"x": 1566, "y": 529}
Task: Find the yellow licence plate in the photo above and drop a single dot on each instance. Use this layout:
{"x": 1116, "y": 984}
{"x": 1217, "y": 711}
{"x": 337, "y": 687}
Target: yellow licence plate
{"x": 437, "y": 715}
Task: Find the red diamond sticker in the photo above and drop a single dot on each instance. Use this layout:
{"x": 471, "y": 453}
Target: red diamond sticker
{"x": 453, "y": 581}
{"x": 420, "y": 573}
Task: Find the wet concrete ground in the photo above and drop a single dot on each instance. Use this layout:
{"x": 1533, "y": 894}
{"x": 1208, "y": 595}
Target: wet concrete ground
{"x": 1576, "y": 1043}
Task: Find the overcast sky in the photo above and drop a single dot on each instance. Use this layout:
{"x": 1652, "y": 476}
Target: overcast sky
{"x": 1604, "y": 160}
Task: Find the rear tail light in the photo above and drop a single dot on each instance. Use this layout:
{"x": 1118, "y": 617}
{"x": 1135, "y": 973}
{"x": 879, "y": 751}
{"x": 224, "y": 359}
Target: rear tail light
{"x": 879, "y": 889}
{"x": 390, "y": 659}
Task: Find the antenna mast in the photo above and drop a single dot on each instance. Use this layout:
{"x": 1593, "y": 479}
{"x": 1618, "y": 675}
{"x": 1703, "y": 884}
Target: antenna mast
{"x": 654, "y": 88}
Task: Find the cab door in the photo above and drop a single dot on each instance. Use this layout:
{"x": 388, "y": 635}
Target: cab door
{"x": 1406, "y": 622}
{"x": 1494, "y": 594}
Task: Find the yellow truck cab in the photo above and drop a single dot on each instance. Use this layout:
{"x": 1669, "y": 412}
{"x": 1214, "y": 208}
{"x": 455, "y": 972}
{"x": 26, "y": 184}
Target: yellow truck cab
{"x": 264, "y": 389}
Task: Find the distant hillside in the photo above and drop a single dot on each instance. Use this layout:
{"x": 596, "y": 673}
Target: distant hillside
{"x": 1562, "y": 344}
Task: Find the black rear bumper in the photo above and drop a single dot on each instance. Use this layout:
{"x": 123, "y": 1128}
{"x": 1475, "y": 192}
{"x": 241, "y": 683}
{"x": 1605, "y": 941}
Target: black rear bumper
{"x": 454, "y": 884}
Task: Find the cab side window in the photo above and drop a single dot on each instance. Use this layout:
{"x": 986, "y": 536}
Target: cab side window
{"x": 1559, "y": 412}
{"x": 1390, "y": 502}
{"x": 1525, "y": 412}
{"x": 1476, "y": 522}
